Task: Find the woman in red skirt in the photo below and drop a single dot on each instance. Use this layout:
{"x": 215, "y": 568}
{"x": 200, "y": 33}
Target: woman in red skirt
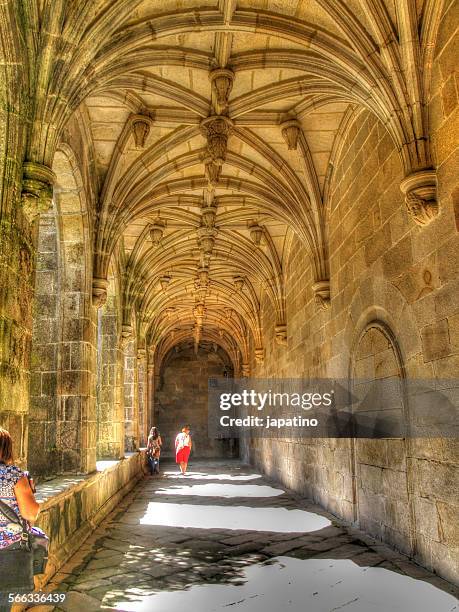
{"x": 183, "y": 448}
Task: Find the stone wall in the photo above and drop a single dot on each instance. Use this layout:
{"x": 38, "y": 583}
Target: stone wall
{"x": 182, "y": 398}
{"x": 393, "y": 312}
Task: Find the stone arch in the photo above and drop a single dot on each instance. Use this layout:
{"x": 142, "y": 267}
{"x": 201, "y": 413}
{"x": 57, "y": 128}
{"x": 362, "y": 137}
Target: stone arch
{"x": 181, "y": 395}
{"x": 381, "y": 469}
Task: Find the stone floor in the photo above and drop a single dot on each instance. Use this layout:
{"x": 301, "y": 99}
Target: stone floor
{"x": 224, "y": 538}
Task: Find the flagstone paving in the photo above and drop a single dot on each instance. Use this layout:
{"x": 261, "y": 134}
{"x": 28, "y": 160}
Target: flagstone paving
{"x": 237, "y": 552}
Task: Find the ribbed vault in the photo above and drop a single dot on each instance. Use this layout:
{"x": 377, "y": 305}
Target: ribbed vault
{"x": 213, "y": 129}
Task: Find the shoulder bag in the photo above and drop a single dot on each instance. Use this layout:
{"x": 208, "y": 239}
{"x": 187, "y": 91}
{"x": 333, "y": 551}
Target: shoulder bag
{"x": 22, "y": 560}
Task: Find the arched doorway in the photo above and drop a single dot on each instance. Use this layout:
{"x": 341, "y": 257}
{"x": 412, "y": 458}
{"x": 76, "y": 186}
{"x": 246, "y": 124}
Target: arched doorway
{"x": 382, "y": 494}
{"x": 181, "y": 396}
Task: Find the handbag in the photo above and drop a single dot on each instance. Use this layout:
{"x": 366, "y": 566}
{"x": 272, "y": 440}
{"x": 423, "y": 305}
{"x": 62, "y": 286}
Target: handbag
{"x": 24, "y": 559}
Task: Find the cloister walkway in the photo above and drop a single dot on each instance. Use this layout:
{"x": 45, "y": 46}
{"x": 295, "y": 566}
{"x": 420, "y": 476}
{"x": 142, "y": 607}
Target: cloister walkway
{"x": 225, "y": 538}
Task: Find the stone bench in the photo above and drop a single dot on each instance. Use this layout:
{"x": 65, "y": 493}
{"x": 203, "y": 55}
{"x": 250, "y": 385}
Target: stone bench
{"x": 73, "y": 506}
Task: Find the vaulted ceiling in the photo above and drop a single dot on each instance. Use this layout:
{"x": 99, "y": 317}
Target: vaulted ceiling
{"x": 214, "y": 127}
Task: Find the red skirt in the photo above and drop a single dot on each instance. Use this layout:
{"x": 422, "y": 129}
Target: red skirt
{"x": 182, "y": 455}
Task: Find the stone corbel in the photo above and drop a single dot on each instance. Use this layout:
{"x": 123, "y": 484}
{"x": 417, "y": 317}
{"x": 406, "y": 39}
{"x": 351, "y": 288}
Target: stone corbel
{"x": 99, "y": 291}
{"x": 281, "y": 333}
{"x": 37, "y": 189}
{"x": 322, "y": 293}
{"x": 126, "y": 333}
{"x": 420, "y": 191}
{"x": 245, "y": 370}
{"x": 291, "y": 131}
{"x": 140, "y": 129}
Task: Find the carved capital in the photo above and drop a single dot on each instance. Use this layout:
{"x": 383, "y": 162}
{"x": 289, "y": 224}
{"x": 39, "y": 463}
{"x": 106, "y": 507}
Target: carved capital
{"x": 37, "y": 189}
{"x": 322, "y": 293}
{"x": 222, "y": 84}
{"x": 281, "y": 333}
{"x": 260, "y": 355}
{"x": 245, "y": 370}
{"x": 126, "y": 333}
{"x": 420, "y": 191}
{"x": 99, "y": 291}
{"x": 217, "y": 129}
{"x": 291, "y": 131}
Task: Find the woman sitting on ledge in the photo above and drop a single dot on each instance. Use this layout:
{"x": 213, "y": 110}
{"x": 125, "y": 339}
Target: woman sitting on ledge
{"x": 17, "y": 491}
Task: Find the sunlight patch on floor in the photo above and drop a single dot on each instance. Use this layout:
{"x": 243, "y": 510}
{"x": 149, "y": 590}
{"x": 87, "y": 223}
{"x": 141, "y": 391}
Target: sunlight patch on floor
{"x": 221, "y": 490}
{"x": 312, "y": 585}
{"x": 206, "y": 476}
{"x": 246, "y": 518}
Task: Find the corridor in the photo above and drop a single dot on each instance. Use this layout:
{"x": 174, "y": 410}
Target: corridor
{"x": 225, "y": 538}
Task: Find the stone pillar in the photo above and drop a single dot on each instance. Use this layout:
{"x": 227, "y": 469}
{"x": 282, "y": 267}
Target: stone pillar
{"x": 150, "y": 392}
{"x": 43, "y": 443}
{"x": 110, "y": 417}
{"x": 18, "y": 232}
{"x": 77, "y": 417}
{"x": 130, "y": 397}
{"x": 142, "y": 396}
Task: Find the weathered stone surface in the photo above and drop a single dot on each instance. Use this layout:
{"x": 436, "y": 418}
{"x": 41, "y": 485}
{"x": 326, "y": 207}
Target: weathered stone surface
{"x": 145, "y": 569}
{"x": 234, "y": 219}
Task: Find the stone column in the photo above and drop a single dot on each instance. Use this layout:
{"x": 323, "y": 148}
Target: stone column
{"x": 43, "y": 443}
{"x": 130, "y": 397}
{"x": 77, "y": 416}
{"x": 18, "y": 233}
{"x": 150, "y": 392}
{"x": 142, "y": 396}
{"x": 110, "y": 417}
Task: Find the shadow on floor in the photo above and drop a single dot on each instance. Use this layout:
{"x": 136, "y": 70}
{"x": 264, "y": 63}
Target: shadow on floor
{"x": 224, "y": 538}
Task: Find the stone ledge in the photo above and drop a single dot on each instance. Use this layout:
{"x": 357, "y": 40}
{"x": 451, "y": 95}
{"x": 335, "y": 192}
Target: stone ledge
{"x": 72, "y": 507}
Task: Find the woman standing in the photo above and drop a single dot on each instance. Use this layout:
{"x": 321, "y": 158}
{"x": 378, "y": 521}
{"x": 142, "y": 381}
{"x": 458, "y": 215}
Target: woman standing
{"x": 16, "y": 491}
{"x": 154, "y": 450}
{"x": 183, "y": 445}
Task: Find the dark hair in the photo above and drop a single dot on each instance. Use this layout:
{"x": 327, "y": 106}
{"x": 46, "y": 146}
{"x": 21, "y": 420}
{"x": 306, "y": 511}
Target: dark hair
{"x": 154, "y": 433}
{"x": 186, "y": 427}
{"x": 6, "y": 446}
